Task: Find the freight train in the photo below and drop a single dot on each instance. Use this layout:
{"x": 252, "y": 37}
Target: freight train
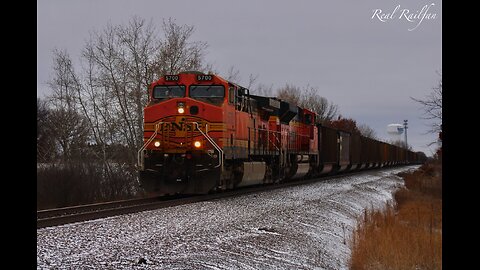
{"x": 203, "y": 133}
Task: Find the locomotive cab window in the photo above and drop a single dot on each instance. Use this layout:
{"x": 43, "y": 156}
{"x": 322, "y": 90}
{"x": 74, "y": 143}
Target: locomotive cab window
{"x": 208, "y": 93}
{"x": 308, "y": 119}
{"x": 168, "y": 91}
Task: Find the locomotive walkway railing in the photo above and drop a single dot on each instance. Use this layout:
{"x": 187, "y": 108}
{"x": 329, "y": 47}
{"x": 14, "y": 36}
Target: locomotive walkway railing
{"x": 140, "y": 154}
{"x": 220, "y": 151}
{"x": 264, "y": 141}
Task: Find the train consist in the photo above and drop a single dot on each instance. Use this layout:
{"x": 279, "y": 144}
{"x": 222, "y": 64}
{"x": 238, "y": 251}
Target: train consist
{"x": 203, "y": 133}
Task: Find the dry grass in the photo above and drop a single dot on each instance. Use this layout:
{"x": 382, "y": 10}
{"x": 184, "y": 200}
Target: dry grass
{"x": 407, "y": 234}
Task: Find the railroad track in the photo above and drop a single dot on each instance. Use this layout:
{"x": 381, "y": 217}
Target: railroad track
{"x": 60, "y": 216}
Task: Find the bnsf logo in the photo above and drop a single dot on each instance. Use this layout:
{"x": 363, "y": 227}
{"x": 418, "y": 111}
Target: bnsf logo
{"x": 181, "y": 126}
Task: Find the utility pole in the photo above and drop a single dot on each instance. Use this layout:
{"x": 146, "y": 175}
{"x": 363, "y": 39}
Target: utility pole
{"x": 405, "y": 123}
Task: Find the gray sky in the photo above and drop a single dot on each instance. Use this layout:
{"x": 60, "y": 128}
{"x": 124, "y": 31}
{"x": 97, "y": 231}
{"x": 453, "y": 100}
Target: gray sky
{"x": 369, "y": 68}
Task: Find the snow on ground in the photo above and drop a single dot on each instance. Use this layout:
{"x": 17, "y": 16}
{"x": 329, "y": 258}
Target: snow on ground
{"x": 302, "y": 227}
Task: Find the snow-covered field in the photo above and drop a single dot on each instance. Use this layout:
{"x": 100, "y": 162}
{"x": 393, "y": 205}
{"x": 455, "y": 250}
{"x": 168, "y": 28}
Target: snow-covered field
{"x": 303, "y": 227}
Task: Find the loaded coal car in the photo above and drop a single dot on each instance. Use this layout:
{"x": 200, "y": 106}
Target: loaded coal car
{"x": 401, "y": 156}
{"x": 334, "y": 150}
{"x": 368, "y": 155}
{"x": 356, "y": 153}
{"x": 393, "y": 155}
{"x": 384, "y": 150}
{"x": 328, "y": 149}
{"x": 343, "y": 151}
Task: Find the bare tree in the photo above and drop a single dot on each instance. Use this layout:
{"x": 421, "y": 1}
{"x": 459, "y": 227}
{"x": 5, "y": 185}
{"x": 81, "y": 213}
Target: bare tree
{"x": 119, "y": 68}
{"x": 367, "y": 131}
{"x": 233, "y": 74}
{"x": 252, "y": 80}
{"x": 345, "y": 124}
{"x": 63, "y": 83}
{"x": 290, "y": 93}
{"x": 45, "y": 142}
{"x": 432, "y": 106}
{"x": 70, "y": 130}
{"x": 177, "y": 53}
{"x": 119, "y": 64}
{"x": 311, "y": 100}
{"x": 67, "y": 127}
{"x": 263, "y": 90}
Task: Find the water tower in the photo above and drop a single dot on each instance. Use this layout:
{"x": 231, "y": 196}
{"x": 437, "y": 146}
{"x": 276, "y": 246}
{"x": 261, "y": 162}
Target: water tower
{"x": 395, "y": 131}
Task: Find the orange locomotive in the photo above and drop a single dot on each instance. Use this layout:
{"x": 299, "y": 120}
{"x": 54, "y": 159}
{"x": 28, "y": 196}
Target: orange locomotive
{"x": 204, "y": 133}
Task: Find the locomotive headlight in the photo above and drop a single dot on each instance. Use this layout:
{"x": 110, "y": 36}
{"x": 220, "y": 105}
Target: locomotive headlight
{"x": 197, "y": 144}
{"x": 156, "y": 144}
{"x": 181, "y": 107}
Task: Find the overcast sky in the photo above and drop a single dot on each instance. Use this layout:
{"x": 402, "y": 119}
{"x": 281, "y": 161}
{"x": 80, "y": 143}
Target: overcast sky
{"x": 365, "y": 56}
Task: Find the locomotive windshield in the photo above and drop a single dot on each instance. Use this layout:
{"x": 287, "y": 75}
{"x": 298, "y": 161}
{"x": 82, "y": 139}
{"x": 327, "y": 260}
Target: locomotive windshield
{"x": 209, "y": 93}
{"x": 168, "y": 91}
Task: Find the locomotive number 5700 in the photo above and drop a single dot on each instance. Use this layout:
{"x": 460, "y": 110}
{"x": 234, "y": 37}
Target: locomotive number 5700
{"x": 204, "y": 77}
